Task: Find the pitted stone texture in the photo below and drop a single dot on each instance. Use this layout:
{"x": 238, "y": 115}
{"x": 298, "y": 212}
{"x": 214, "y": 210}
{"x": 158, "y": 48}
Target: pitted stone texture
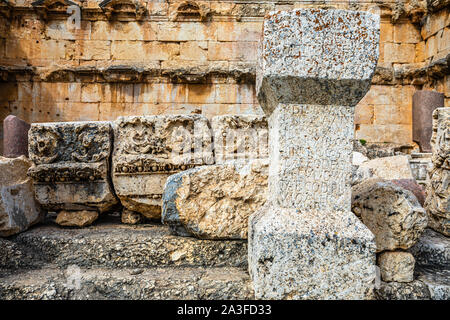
{"x": 71, "y": 165}
{"x": 148, "y": 149}
{"x": 413, "y": 186}
{"x": 396, "y": 266}
{"x": 389, "y": 168}
{"x": 167, "y": 283}
{"x": 214, "y": 202}
{"x": 303, "y": 255}
{"x": 111, "y": 244}
{"x": 392, "y": 213}
{"x": 239, "y": 137}
{"x": 311, "y": 157}
{"x": 437, "y": 203}
{"x": 313, "y": 56}
{"x": 437, "y": 281}
{"x": 314, "y": 67}
{"x": 416, "y": 290}
{"x": 432, "y": 250}
{"x": 18, "y": 207}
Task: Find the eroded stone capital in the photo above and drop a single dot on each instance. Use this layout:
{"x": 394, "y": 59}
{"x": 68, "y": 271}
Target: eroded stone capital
{"x": 312, "y": 56}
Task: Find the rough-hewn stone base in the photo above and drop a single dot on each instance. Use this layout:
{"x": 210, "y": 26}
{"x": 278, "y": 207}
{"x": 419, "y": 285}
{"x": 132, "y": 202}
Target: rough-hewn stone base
{"x": 110, "y": 244}
{"x": 310, "y": 255}
{"x": 154, "y": 283}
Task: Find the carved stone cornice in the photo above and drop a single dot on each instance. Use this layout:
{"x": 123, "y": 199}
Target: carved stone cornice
{"x": 45, "y": 7}
{"x": 123, "y": 8}
{"x": 5, "y": 8}
{"x": 189, "y": 10}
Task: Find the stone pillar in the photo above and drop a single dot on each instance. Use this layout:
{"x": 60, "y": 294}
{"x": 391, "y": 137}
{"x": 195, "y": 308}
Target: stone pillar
{"x": 424, "y": 103}
{"x": 15, "y": 137}
{"x": 305, "y": 243}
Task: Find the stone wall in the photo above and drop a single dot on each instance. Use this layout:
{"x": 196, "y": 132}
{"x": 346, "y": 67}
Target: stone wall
{"x": 183, "y": 57}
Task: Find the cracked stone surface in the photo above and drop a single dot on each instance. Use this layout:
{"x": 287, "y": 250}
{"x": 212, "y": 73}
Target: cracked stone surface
{"x": 18, "y": 208}
{"x": 437, "y": 203}
{"x": 392, "y": 213}
{"x": 305, "y": 243}
{"x": 214, "y": 202}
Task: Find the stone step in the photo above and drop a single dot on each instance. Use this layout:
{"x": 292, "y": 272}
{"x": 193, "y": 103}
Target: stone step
{"x": 432, "y": 250}
{"x": 110, "y": 244}
{"x": 172, "y": 283}
{"x": 437, "y": 280}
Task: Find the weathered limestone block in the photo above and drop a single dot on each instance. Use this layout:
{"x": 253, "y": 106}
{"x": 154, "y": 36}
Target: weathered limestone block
{"x": 389, "y": 168}
{"x": 18, "y": 207}
{"x": 415, "y": 290}
{"x": 392, "y": 213}
{"x": 292, "y": 257}
{"x": 148, "y": 149}
{"x": 305, "y": 243}
{"x": 396, "y": 266}
{"x": 214, "y": 202}
{"x": 71, "y": 165}
{"x": 432, "y": 250}
{"x": 437, "y": 203}
{"x": 437, "y": 281}
{"x": 239, "y": 137}
{"x": 81, "y": 218}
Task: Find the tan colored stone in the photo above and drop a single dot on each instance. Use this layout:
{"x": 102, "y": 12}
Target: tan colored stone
{"x": 386, "y": 32}
{"x": 192, "y": 50}
{"x": 389, "y": 168}
{"x": 18, "y": 207}
{"x": 130, "y": 217}
{"x": 148, "y": 149}
{"x": 242, "y": 51}
{"x": 93, "y": 50}
{"x": 406, "y": 33}
{"x": 82, "y": 218}
{"x": 200, "y": 93}
{"x": 396, "y": 266}
{"x": 240, "y": 137}
{"x": 364, "y": 113}
{"x": 239, "y": 31}
{"x": 392, "y": 213}
{"x": 214, "y": 202}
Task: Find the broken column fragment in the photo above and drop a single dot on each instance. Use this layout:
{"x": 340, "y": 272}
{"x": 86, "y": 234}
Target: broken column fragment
{"x": 305, "y": 243}
{"x": 71, "y": 165}
{"x": 148, "y": 149}
{"x": 423, "y": 104}
{"x": 15, "y": 137}
{"x": 437, "y": 203}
